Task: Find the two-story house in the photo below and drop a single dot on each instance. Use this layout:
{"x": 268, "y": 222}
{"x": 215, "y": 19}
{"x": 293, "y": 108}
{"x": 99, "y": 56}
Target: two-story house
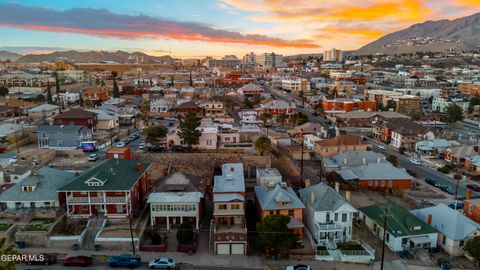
{"x": 327, "y": 215}
{"x": 280, "y": 199}
{"x": 43, "y": 111}
{"x": 175, "y": 201}
{"x": 113, "y": 188}
{"x": 229, "y": 224}
{"x": 77, "y": 117}
{"x": 213, "y": 108}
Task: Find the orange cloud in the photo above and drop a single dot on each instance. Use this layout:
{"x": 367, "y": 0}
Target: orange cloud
{"x": 468, "y": 3}
{"x": 359, "y": 31}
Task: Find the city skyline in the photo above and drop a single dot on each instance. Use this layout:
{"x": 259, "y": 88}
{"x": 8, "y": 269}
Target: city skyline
{"x": 213, "y": 27}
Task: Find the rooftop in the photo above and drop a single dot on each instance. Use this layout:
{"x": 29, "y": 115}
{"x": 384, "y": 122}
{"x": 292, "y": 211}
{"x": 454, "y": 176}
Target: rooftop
{"x": 231, "y": 180}
{"x": 277, "y": 197}
{"x": 325, "y": 197}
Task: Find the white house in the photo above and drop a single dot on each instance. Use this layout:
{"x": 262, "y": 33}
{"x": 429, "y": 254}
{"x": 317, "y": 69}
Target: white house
{"x": 439, "y": 104}
{"x": 327, "y": 215}
{"x": 175, "y": 201}
{"x": 405, "y": 231}
{"x": 266, "y": 176}
{"x": 159, "y": 105}
{"x": 454, "y": 228}
{"x": 248, "y": 116}
{"x": 309, "y": 141}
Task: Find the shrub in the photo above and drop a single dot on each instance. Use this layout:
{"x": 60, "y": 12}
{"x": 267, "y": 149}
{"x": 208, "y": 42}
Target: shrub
{"x": 457, "y": 176}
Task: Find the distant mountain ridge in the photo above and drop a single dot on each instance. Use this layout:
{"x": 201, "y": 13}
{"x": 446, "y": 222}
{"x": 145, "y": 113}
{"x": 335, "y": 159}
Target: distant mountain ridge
{"x": 434, "y": 36}
{"x": 95, "y": 57}
{"x": 4, "y": 55}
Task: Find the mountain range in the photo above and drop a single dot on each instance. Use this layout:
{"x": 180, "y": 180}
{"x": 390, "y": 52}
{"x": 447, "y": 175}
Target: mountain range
{"x": 5, "y": 55}
{"x": 95, "y": 57}
{"x": 433, "y": 36}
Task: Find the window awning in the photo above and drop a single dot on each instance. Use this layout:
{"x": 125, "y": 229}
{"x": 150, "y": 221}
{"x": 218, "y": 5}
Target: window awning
{"x": 420, "y": 240}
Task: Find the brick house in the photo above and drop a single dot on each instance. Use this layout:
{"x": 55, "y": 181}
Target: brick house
{"x": 340, "y": 144}
{"x": 471, "y": 207}
{"x": 120, "y": 153}
{"x": 189, "y": 106}
{"x": 95, "y": 95}
{"x": 230, "y": 232}
{"x": 113, "y": 188}
{"x": 77, "y": 117}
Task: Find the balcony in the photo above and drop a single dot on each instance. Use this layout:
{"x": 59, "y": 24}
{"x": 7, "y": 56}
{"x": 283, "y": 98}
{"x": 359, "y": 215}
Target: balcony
{"x": 328, "y": 227}
{"x": 229, "y": 212}
{"x": 96, "y": 200}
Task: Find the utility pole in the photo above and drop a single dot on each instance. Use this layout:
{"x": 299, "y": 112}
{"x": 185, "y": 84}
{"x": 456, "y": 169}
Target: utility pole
{"x": 385, "y": 210}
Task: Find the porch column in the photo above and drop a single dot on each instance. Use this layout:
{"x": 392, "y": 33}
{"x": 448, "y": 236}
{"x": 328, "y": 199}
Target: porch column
{"x": 196, "y": 222}
{"x": 168, "y": 223}
{"x": 89, "y": 204}
{"x": 151, "y": 220}
{"x": 181, "y": 219}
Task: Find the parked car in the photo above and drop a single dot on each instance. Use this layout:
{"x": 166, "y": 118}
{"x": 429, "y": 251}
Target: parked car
{"x": 78, "y": 261}
{"x": 93, "y": 157}
{"x": 416, "y": 161}
{"x": 162, "y": 263}
{"x": 156, "y": 149}
{"x": 456, "y": 205}
{"x": 299, "y": 267}
{"x": 382, "y": 147}
{"x": 474, "y": 187}
{"x": 125, "y": 260}
{"x": 179, "y": 148}
{"x": 141, "y": 146}
{"x": 13, "y": 160}
{"x": 120, "y": 144}
{"x": 42, "y": 259}
{"x": 431, "y": 181}
{"x": 447, "y": 189}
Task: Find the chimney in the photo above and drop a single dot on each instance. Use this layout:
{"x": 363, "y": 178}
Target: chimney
{"x": 379, "y": 160}
{"x": 337, "y": 186}
{"x": 348, "y": 195}
{"x": 364, "y": 161}
{"x": 307, "y": 183}
{"x": 345, "y": 161}
{"x": 469, "y": 194}
{"x": 139, "y": 167}
{"x": 429, "y": 219}
{"x": 312, "y": 197}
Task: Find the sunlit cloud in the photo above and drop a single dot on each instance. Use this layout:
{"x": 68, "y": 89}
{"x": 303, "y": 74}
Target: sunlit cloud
{"x": 106, "y": 24}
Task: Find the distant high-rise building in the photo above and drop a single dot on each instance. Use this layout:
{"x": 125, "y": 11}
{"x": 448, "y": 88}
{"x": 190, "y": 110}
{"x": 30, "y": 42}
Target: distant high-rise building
{"x": 269, "y": 60}
{"x": 228, "y": 61}
{"x": 333, "y": 55}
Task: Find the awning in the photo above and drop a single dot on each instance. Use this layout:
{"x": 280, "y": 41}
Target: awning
{"x": 420, "y": 240}
{"x": 294, "y": 223}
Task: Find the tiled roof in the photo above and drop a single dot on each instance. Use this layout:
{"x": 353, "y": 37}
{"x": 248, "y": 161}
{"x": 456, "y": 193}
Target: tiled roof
{"x": 325, "y": 197}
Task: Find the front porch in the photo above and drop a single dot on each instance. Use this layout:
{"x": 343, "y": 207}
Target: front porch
{"x": 329, "y": 233}
{"x": 172, "y": 222}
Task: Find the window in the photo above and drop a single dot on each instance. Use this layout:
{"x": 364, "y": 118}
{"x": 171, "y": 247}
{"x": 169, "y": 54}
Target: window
{"x": 290, "y": 213}
{"x": 344, "y": 217}
{"x": 383, "y": 183}
{"x": 235, "y": 206}
{"x": 470, "y": 209}
{"x": 404, "y": 241}
{"x": 444, "y": 239}
{"x": 222, "y": 206}
{"x": 327, "y": 217}
{"x": 370, "y": 183}
{"x": 462, "y": 243}
{"x": 336, "y": 217}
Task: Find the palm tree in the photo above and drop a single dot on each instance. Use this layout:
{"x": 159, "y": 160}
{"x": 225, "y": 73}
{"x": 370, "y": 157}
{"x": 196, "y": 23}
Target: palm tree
{"x": 116, "y": 92}
{"x": 262, "y": 144}
{"x": 7, "y": 250}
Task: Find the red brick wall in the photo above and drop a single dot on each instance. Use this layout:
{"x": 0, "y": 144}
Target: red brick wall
{"x": 377, "y": 184}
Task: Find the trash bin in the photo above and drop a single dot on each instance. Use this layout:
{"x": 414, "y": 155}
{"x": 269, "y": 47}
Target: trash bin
{"x": 20, "y": 244}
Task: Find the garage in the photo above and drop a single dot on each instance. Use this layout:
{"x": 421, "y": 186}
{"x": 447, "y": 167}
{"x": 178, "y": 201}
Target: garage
{"x": 238, "y": 249}
{"x": 223, "y": 249}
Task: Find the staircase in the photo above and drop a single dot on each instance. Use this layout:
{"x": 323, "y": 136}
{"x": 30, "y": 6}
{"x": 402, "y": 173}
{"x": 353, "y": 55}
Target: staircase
{"x": 92, "y": 230}
{"x": 172, "y": 242}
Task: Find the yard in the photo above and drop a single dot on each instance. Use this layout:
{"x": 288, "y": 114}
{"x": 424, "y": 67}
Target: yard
{"x": 36, "y": 228}
{"x": 4, "y": 226}
{"x": 43, "y": 220}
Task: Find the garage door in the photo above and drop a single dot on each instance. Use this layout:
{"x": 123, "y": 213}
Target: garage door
{"x": 223, "y": 249}
{"x": 238, "y": 249}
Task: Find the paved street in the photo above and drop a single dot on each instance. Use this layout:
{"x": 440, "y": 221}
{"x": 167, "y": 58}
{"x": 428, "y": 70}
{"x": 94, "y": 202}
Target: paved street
{"x": 59, "y": 266}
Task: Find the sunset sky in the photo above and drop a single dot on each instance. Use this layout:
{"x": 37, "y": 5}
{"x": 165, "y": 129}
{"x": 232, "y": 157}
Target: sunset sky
{"x": 199, "y": 28}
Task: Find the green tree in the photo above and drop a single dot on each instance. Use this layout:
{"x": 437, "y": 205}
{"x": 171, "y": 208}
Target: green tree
{"x": 3, "y": 91}
{"x": 393, "y": 159}
{"x": 185, "y": 233}
{"x": 116, "y": 91}
{"x": 247, "y": 103}
{"x": 256, "y": 99}
{"x": 302, "y": 118}
{"x": 7, "y": 250}
{"x": 454, "y": 113}
{"x": 189, "y": 132}
{"x": 145, "y": 109}
{"x": 473, "y": 248}
{"x": 474, "y": 100}
{"x": 274, "y": 235}
{"x": 57, "y": 83}
{"x": 391, "y": 105}
{"x": 152, "y": 133}
{"x": 262, "y": 144}
{"x": 49, "y": 94}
